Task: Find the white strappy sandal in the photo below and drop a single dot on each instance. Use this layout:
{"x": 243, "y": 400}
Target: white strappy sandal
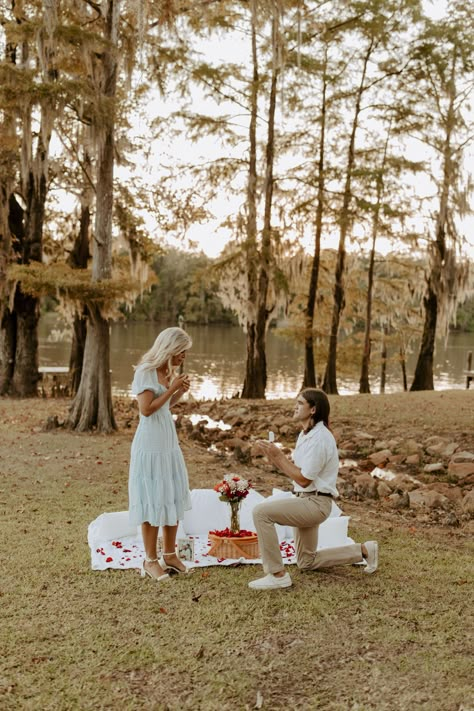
{"x": 173, "y": 568}
{"x": 144, "y": 571}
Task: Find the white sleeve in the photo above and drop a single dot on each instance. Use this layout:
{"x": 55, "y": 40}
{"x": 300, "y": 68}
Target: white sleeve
{"x": 315, "y": 459}
{"x": 143, "y": 380}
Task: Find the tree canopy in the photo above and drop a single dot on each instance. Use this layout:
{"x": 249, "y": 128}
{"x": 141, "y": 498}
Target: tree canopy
{"x": 304, "y": 124}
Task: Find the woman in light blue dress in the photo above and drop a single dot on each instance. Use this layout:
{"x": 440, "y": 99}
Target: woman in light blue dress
{"x": 158, "y": 484}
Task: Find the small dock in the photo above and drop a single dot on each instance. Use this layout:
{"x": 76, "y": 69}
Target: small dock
{"x": 54, "y": 380}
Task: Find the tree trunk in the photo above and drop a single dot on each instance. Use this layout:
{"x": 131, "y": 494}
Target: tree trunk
{"x": 78, "y": 259}
{"x": 249, "y": 387}
{"x": 7, "y": 350}
{"x": 309, "y": 377}
{"x": 383, "y": 362}
{"x": 330, "y": 377}
{"x": 26, "y": 376}
{"x": 403, "y": 365}
{"x": 76, "y": 357}
{"x": 11, "y": 223}
{"x": 423, "y": 378}
{"x": 93, "y": 403}
{"x": 364, "y": 384}
{"x": 263, "y": 313}
{"x": 35, "y": 187}
{"x": 92, "y": 406}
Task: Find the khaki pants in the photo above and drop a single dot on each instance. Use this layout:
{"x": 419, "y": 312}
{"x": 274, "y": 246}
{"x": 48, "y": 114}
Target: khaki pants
{"x": 305, "y": 513}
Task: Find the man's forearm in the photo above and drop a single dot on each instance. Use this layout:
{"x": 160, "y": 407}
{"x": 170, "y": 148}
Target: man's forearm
{"x": 290, "y": 469}
{"x": 281, "y": 462}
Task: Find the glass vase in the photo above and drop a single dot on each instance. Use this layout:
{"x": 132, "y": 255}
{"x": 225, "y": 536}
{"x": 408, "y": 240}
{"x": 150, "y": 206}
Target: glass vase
{"x": 235, "y": 516}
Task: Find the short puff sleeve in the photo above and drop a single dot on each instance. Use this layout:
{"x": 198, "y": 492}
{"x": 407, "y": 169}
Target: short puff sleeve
{"x": 144, "y": 379}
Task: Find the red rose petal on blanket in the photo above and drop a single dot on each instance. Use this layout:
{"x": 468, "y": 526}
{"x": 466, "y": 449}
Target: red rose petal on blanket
{"x": 109, "y": 559}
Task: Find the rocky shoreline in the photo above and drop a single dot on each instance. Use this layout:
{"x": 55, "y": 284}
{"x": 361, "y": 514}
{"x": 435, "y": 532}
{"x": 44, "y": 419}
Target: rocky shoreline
{"x": 429, "y": 477}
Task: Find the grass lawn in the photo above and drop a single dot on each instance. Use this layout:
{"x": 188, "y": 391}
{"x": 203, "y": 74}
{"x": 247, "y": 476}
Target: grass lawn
{"x": 77, "y": 639}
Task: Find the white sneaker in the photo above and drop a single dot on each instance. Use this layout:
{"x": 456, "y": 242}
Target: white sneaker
{"x": 372, "y": 559}
{"x": 271, "y": 582}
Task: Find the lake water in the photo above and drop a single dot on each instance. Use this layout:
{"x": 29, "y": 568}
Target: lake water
{"x": 216, "y": 363}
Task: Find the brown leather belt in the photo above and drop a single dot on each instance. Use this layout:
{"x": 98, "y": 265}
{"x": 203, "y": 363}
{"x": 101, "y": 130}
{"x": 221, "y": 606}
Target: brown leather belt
{"x": 312, "y": 493}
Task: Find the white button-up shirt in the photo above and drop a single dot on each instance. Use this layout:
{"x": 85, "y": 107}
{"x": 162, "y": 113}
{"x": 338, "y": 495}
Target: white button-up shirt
{"x": 317, "y": 457}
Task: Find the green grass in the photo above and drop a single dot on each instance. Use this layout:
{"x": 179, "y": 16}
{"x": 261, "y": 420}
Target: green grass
{"x": 73, "y": 638}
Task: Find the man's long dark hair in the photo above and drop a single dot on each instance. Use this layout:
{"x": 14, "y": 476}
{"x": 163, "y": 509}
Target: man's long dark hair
{"x": 319, "y": 400}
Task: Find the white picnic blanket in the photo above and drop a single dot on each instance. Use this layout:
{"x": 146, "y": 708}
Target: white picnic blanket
{"x": 115, "y": 544}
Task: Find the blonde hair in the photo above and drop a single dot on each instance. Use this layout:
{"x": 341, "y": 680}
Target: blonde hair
{"x": 169, "y": 343}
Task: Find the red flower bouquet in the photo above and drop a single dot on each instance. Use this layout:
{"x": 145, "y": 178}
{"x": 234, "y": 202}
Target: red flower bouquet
{"x": 233, "y": 488}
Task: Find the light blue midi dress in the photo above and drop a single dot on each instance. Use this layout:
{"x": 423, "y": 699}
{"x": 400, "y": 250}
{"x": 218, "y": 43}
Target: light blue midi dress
{"x": 158, "y": 485}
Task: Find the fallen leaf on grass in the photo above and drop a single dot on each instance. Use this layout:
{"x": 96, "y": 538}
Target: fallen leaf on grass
{"x": 163, "y": 610}
{"x": 200, "y": 652}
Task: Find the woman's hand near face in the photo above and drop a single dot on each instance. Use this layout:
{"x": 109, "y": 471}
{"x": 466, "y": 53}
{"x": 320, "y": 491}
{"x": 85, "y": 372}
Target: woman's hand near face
{"x": 180, "y": 383}
{"x": 149, "y": 403}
